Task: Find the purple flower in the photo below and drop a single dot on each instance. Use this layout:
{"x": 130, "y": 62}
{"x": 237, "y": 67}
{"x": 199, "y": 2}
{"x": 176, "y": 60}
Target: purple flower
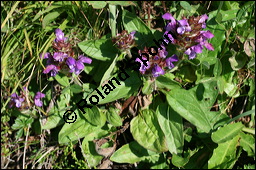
{"x": 46, "y": 55}
{"x": 132, "y": 34}
{"x": 51, "y": 68}
{"x": 77, "y": 66}
{"x": 162, "y": 53}
{"x": 59, "y": 56}
{"x": 202, "y": 20}
{"x": 84, "y": 59}
{"x": 15, "y": 100}
{"x": 206, "y": 34}
{"x": 171, "y": 26}
{"x": 169, "y": 61}
{"x": 183, "y": 26}
{"x": 157, "y": 71}
{"x": 143, "y": 68}
{"x": 37, "y": 99}
{"x": 191, "y": 53}
{"x": 59, "y": 35}
{"x": 208, "y": 46}
{"x": 71, "y": 62}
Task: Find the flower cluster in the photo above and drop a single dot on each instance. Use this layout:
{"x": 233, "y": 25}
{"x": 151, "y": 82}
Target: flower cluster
{"x": 63, "y": 57}
{"x": 124, "y": 40}
{"x": 156, "y": 61}
{"x": 20, "y": 102}
{"x": 188, "y": 34}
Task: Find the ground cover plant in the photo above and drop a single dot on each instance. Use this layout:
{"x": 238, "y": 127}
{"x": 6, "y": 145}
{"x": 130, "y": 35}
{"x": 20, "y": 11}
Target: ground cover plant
{"x": 128, "y": 84}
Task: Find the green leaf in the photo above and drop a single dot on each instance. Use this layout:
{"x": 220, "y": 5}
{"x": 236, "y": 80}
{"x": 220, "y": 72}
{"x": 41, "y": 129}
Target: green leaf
{"x": 113, "y": 117}
{"x": 185, "y": 5}
{"x": 132, "y": 153}
{"x": 122, "y": 3}
{"x": 224, "y": 156}
{"x": 79, "y": 129}
{"x": 97, "y": 4}
{"x": 75, "y": 88}
{"x": 109, "y": 71}
{"x": 49, "y": 17}
{"x": 147, "y": 87}
{"x": 171, "y": 124}
{"x": 63, "y": 80}
{"x": 227, "y": 132}
{"x": 126, "y": 88}
{"x": 248, "y": 143}
{"x": 132, "y": 22}
{"x": 95, "y": 116}
{"x": 194, "y": 104}
{"x": 165, "y": 81}
{"x": 102, "y": 49}
{"x": 180, "y": 161}
{"x": 217, "y": 68}
{"x": 237, "y": 61}
{"x": 147, "y": 132}
{"x": 231, "y": 89}
{"x": 91, "y": 155}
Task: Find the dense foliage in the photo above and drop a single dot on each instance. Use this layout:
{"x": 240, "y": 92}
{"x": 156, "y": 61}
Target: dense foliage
{"x": 128, "y": 84}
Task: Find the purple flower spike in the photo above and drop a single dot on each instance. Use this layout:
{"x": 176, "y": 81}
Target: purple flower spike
{"x": 84, "y": 59}
{"x": 15, "y": 100}
{"x": 37, "y": 99}
{"x": 51, "y": 68}
{"x": 157, "y": 71}
{"x": 169, "y": 61}
{"x": 59, "y": 35}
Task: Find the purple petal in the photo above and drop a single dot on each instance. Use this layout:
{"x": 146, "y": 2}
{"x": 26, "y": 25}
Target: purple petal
{"x": 207, "y": 34}
{"x": 173, "y": 58}
{"x": 71, "y": 62}
{"x": 38, "y": 102}
{"x": 51, "y": 68}
{"x": 183, "y": 22}
{"x": 203, "y": 18}
{"x": 162, "y": 53}
{"x": 181, "y": 30}
{"x": 79, "y": 65}
{"x": 58, "y": 56}
{"x": 14, "y": 95}
{"x": 167, "y": 16}
{"x": 84, "y": 59}
{"x": 132, "y": 34}
{"x": 208, "y": 46}
{"x": 39, "y": 95}
{"x": 157, "y": 71}
{"x": 191, "y": 53}
{"x": 197, "y": 48}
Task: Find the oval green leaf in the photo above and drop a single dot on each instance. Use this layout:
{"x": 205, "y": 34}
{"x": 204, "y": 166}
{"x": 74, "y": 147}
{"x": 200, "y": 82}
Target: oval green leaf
{"x": 132, "y": 153}
{"x": 171, "y": 124}
{"x": 147, "y": 132}
{"x": 227, "y": 132}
